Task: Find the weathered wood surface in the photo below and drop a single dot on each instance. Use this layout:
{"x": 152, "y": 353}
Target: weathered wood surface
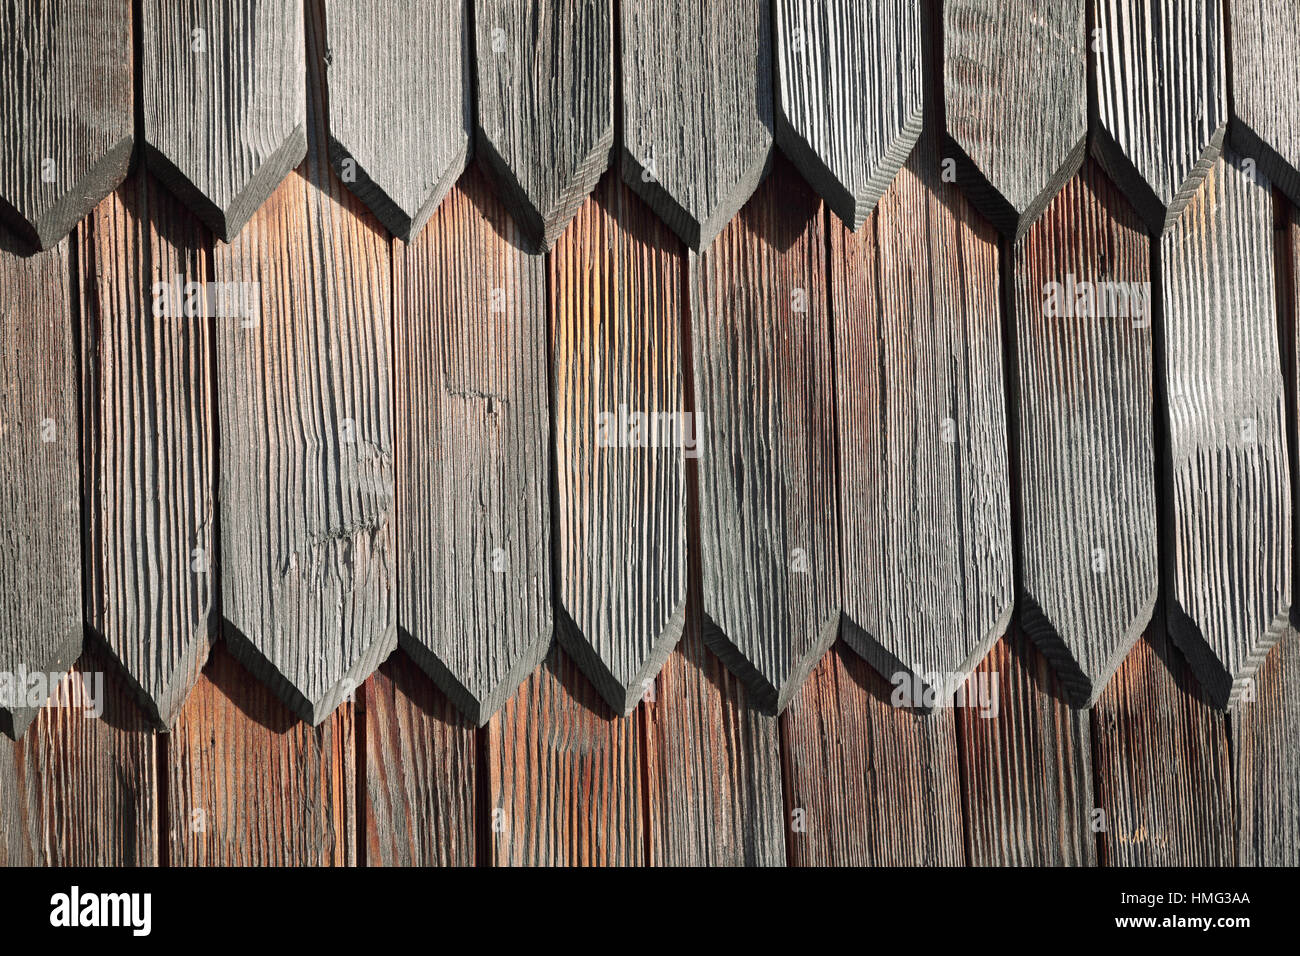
{"x": 40, "y": 516}
{"x": 1265, "y": 89}
{"x": 545, "y": 105}
{"x": 399, "y": 103}
{"x": 1160, "y": 759}
{"x": 712, "y": 764}
{"x": 1160, "y": 103}
{"x": 848, "y": 95}
{"x": 1083, "y": 395}
{"x": 924, "y": 494}
{"x": 868, "y": 783}
{"x": 147, "y": 457}
{"x": 1226, "y": 475}
{"x": 697, "y": 109}
{"x": 248, "y": 784}
{"x": 765, "y": 422}
{"x": 473, "y": 460}
{"x": 66, "y": 122}
{"x": 1025, "y": 762}
{"x": 1266, "y": 761}
{"x": 616, "y": 302}
{"x": 81, "y": 789}
{"x": 305, "y": 471}
{"x": 222, "y": 85}
{"x": 1015, "y": 102}
{"x": 564, "y": 779}
{"x": 420, "y": 771}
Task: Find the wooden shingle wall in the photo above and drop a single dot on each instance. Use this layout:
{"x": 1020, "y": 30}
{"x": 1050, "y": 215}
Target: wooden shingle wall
{"x": 469, "y": 430}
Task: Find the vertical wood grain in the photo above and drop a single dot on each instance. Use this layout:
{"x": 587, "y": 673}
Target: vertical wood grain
{"x": 1083, "y": 346}
{"x": 225, "y": 119}
{"x": 764, "y": 400}
{"x": 305, "y": 404}
{"x": 66, "y": 121}
{"x": 617, "y": 302}
{"x": 40, "y": 559}
{"x": 848, "y": 95}
{"x": 1158, "y": 139}
{"x": 564, "y": 779}
{"x": 1227, "y": 548}
{"x": 420, "y": 771}
{"x": 697, "y": 109}
{"x": 545, "y": 105}
{"x": 81, "y": 788}
{"x": 248, "y": 784}
{"x": 399, "y": 103}
{"x": 1265, "y": 88}
{"x": 147, "y": 440}
{"x": 1015, "y": 102}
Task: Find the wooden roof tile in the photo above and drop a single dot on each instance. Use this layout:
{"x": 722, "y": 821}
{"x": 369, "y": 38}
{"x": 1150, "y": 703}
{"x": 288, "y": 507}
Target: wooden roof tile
{"x": 223, "y": 88}
{"x": 1265, "y": 89}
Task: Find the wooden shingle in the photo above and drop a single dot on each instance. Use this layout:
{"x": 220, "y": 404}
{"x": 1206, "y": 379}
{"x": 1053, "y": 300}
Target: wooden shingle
{"x": 474, "y": 525}
{"x": 697, "y": 109}
{"x": 1082, "y": 314}
{"x": 40, "y": 554}
{"x": 1265, "y": 98}
{"x": 1015, "y": 104}
{"x": 764, "y": 406}
{"x": 1161, "y": 99}
{"x": 617, "y": 300}
{"x": 848, "y": 95}
{"x": 66, "y": 126}
{"x": 223, "y": 99}
{"x": 1227, "y": 547}
{"x": 399, "y": 103}
{"x": 545, "y": 105}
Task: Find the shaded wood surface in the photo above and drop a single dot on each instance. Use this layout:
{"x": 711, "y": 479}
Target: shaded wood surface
{"x": 305, "y": 404}
{"x": 1265, "y": 96}
{"x": 848, "y": 95}
{"x": 545, "y": 105}
{"x": 399, "y": 103}
{"x": 222, "y": 85}
{"x": 1227, "y": 481}
{"x": 248, "y": 784}
{"x": 564, "y": 777}
{"x": 1082, "y": 313}
{"x": 1160, "y": 757}
{"x": 420, "y": 772}
{"x": 761, "y": 363}
{"x": 81, "y": 788}
{"x": 147, "y": 457}
{"x": 616, "y": 302}
{"x": 697, "y": 109}
{"x": 1015, "y": 102}
{"x": 1026, "y": 764}
{"x": 474, "y": 520}
{"x": 66, "y": 123}
{"x": 1158, "y": 139}
{"x": 870, "y": 784}
{"x": 40, "y": 560}
{"x": 925, "y": 520}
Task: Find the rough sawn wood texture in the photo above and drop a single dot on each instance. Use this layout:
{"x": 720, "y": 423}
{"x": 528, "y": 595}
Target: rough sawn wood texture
{"x": 1015, "y": 102}
{"x": 1160, "y": 103}
{"x": 66, "y": 126}
{"x": 848, "y": 95}
{"x": 697, "y": 108}
{"x": 545, "y": 105}
{"x": 223, "y": 89}
{"x": 399, "y": 103}
{"x": 1227, "y": 551}
{"x": 1265, "y": 91}
{"x": 1082, "y": 314}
